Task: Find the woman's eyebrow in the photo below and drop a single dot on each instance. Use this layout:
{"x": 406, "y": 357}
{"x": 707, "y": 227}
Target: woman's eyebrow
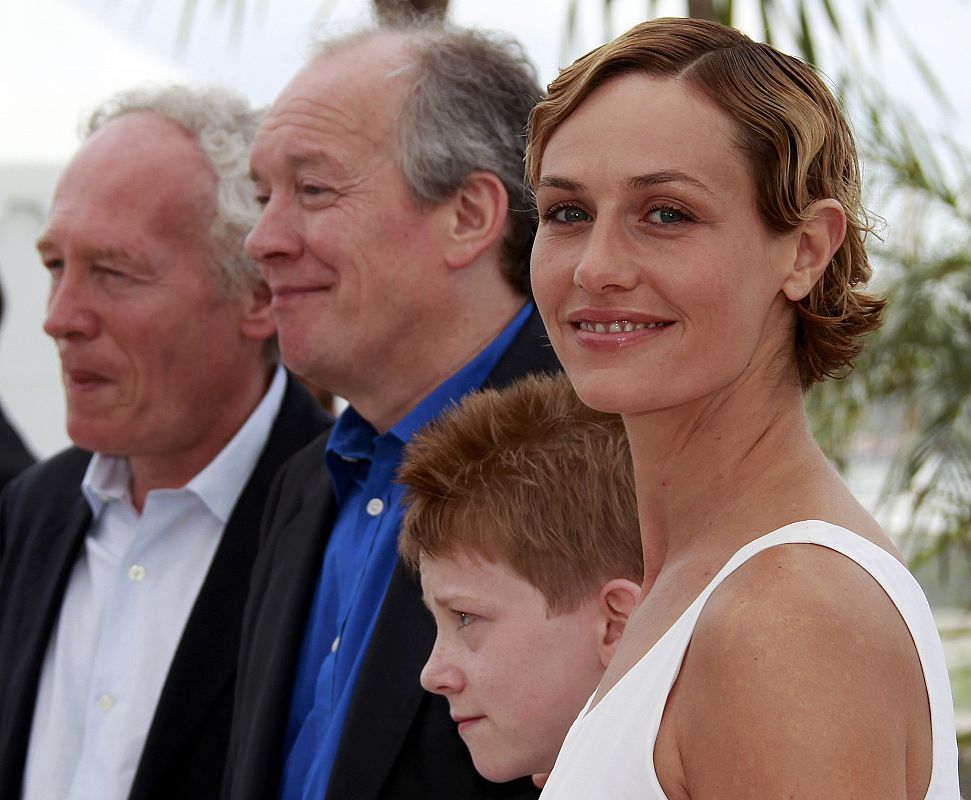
{"x": 636, "y": 182}
{"x": 558, "y": 182}
{"x": 665, "y": 176}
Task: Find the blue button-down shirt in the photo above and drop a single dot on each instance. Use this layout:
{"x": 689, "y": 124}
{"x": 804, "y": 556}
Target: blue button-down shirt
{"x": 360, "y": 557}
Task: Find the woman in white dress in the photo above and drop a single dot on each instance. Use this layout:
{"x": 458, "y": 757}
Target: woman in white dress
{"x": 699, "y": 266}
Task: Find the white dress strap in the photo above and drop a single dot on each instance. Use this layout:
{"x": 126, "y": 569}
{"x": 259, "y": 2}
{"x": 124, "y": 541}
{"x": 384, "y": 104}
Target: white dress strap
{"x": 609, "y": 752}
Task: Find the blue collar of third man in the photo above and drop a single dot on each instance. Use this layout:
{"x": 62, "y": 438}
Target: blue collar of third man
{"x": 354, "y": 439}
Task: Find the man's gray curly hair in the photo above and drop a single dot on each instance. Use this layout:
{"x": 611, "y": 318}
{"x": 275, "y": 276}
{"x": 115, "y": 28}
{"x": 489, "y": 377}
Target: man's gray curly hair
{"x": 466, "y": 110}
{"x": 224, "y": 124}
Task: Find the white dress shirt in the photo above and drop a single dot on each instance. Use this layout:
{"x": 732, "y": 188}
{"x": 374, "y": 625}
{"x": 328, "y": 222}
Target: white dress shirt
{"x": 127, "y": 602}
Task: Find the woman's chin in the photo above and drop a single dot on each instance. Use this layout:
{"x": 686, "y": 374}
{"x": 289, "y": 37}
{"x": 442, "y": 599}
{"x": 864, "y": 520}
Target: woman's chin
{"x": 604, "y": 394}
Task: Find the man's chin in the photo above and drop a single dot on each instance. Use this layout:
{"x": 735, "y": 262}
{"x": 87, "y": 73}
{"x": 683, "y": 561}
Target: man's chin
{"x": 94, "y": 436}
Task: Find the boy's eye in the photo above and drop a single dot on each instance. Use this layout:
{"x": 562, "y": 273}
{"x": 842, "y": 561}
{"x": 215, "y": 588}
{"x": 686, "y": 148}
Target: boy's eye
{"x": 464, "y": 618}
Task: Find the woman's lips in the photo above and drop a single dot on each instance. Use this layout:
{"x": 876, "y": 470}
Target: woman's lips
{"x": 618, "y": 326}
{"x": 605, "y": 331}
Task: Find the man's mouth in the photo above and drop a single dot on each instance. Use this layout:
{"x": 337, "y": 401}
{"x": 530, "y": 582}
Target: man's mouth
{"x": 83, "y": 379}
{"x": 283, "y": 292}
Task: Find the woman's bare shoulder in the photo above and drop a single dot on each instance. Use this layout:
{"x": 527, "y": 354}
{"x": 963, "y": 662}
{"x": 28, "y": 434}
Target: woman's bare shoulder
{"x": 802, "y": 669}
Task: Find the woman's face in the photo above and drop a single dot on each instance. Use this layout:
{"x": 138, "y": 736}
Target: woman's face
{"x": 658, "y": 281}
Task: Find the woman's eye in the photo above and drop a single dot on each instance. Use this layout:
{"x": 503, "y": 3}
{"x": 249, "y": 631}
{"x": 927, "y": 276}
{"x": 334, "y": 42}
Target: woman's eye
{"x": 567, "y": 215}
{"x": 667, "y": 215}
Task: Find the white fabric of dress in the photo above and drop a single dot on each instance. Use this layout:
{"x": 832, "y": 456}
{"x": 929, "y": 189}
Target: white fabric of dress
{"x": 609, "y": 752}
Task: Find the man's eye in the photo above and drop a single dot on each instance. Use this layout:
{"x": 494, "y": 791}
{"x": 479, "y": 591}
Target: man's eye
{"x": 464, "y": 618}
{"x": 314, "y": 189}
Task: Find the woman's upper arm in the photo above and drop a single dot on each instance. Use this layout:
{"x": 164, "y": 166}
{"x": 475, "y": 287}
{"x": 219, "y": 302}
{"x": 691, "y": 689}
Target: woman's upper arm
{"x": 801, "y": 680}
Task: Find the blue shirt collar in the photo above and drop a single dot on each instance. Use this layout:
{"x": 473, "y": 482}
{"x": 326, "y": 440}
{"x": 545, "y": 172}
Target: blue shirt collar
{"x": 354, "y": 440}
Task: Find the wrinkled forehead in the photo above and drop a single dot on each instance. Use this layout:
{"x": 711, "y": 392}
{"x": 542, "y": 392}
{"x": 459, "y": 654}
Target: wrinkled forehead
{"x": 139, "y": 172}
{"x": 356, "y": 91}
{"x": 146, "y": 151}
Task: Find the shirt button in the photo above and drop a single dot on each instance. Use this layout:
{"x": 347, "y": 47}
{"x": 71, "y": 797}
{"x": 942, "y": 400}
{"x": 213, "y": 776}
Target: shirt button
{"x": 375, "y": 506}
{"x": 106, "y": 702}
{"x": 136, "y": 573}
{"x": 335, "y": 644}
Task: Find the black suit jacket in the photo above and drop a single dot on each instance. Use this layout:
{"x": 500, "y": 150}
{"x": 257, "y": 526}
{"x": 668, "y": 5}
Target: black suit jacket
{"x": 399, "y": 741}
{"x": 43, "y": 522}
{"x": 14, "y": 456}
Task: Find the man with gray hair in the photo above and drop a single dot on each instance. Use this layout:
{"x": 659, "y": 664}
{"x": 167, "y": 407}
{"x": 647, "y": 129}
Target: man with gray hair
{"x": 125, "y": 560}
{"x": 395, "y": 238}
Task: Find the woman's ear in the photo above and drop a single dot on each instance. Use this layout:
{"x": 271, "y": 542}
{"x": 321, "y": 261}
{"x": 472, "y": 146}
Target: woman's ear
{"x": 818, "y": 239}
{"x": 477, "y": 214}
{"x": 617, "y": 600}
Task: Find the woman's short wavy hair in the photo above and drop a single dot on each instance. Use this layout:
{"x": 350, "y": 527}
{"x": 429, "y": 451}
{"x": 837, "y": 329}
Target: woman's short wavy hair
{"x": 224, "y": 124}
{"x": 794, "y": 135}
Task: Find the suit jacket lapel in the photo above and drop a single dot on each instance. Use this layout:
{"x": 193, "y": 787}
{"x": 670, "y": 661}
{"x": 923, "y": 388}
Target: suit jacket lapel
{"x": 204, "y": 666}
{"x": 387, "y": 689}
{"x": 284, "y": 582}
{"x": 388, "y": 694}
{"x": 52, "y": 549}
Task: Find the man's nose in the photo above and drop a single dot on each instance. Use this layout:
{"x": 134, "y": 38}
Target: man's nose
{"x": 275, "y": 236}
{"x": 71, "y": 308}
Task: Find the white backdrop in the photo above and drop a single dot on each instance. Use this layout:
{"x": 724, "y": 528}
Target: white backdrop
{"x": 58, "y": 58}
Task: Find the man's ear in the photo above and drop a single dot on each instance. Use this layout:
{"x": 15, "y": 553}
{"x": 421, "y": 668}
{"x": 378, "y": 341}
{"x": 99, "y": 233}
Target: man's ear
{"x": 257, "y": 317}
{"x": 819, "y": 237}
{"x": 617, "y": 600}
{"x": 477, "y": 214}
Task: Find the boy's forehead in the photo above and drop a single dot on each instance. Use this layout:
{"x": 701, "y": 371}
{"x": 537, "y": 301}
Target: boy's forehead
{"x": 463, "y": 574}
{"x": 458, "y": 557}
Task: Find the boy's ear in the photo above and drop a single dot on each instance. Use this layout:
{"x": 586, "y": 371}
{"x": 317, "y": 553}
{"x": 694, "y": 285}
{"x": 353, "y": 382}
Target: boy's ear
{"x": 477, "y": 214}
{"x": 819, "y": 237}
{"x": 617, "y": 600}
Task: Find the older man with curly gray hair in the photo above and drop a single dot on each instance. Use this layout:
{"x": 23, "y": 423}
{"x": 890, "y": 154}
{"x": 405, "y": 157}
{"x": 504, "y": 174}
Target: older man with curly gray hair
{"x": 124, "y": 560}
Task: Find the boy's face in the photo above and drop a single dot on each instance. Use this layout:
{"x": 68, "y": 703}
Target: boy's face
{"x": 515, "y": 678}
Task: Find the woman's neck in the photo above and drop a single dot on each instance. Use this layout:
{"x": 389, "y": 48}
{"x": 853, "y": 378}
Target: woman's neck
{"x": 728, "y": 465}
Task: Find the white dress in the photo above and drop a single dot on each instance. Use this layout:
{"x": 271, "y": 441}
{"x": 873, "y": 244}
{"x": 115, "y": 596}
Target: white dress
{"x": 609, "y": 752}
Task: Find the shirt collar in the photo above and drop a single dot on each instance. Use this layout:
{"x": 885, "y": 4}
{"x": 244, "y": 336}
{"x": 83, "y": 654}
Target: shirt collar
{"x": 354, "y": 439}
{"x": 107, "y": 478}
{"x": 467, "y": 379}
{"x": 221, "y": 481}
